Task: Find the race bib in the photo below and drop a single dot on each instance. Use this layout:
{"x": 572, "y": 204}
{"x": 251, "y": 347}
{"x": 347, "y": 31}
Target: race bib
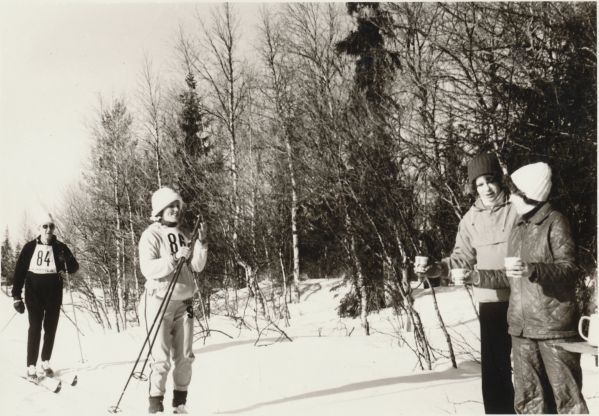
{"x": 173, "y": 239}
{"x": 42, "y": 261}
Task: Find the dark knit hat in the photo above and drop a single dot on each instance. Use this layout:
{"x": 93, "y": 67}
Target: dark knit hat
{"x": 484, "y": 164}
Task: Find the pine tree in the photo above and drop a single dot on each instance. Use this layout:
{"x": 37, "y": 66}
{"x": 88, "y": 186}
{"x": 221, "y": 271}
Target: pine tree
{"x": 8, "y": 261}
{"x": 191, "y": 122}
{"x": 374, "y": 72}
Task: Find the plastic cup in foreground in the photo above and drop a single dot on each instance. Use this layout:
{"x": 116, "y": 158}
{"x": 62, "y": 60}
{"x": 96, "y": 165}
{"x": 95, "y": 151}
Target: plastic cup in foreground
{"x": 458, "y": 276}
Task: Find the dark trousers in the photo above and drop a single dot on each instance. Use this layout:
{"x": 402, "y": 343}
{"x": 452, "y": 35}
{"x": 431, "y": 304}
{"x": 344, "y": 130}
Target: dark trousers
{"x": 495, "y": 349}
{"x": 47, "y": 315}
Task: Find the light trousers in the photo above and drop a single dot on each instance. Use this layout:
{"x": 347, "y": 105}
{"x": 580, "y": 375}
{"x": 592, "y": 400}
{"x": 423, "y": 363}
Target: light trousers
{"x": 173, "y": 342}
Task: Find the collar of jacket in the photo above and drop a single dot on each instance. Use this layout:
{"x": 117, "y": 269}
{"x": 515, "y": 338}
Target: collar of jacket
{"x": 159, "y": 226}
{"x": 51, "y": 243}
{"x": 539, "y": 216}
{"x": 501, "y": 201}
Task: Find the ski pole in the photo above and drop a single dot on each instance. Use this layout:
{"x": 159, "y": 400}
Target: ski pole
{"x": 66, "y": 272}
{"x": 116, "y": 409}
{"x": 158, "y": 318}
{"x": 170, "y": 289}
{"x": 9, "y": 321}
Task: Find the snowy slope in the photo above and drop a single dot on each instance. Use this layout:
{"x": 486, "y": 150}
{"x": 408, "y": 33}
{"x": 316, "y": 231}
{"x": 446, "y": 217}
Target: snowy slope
{"x": 322, "y": 372}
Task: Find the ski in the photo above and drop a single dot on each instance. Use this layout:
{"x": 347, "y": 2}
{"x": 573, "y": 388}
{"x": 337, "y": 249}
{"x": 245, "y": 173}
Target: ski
{"x": 52, "y": 384}
{"x": 68, "y": 379}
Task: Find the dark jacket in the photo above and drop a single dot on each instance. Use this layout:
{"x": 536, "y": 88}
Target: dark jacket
{"x": 544, "y": 305}
{"x": 41, "y": 287}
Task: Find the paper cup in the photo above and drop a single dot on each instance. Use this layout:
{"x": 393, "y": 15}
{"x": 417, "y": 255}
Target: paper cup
{"x": 420, "y": 263}
{"x": 593, "y": 335}
{"x": 458, "y": 276}
{"x": 510, "y": 262}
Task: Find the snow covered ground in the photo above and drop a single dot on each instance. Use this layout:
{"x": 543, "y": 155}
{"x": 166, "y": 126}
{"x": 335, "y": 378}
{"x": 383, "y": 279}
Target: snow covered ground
{"x": 330, "y": 367}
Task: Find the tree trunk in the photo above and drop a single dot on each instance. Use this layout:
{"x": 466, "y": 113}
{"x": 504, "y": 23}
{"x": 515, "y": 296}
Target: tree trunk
{"x": 361, "y": 283}
{"x": 294, "y": 231}
{"x": 158, "y": 164}
{"x": 104, "y": 296}
{"x": 133, "y": 244}
{"x": 119, "y": 295}
{"x": 447, "y": 337}
{"x": 259, "y": 298}
{"x": 125, "y": 294}
{"x": 285, "y": 308}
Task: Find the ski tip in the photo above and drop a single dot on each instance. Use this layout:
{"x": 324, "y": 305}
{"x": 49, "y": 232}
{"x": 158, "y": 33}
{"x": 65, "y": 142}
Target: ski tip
{"x": 58, "y": 387}
{"x": 74, "y": 382}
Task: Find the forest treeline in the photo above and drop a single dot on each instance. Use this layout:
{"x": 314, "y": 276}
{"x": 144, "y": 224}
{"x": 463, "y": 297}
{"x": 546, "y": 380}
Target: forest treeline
{"x": 336, "y": 144}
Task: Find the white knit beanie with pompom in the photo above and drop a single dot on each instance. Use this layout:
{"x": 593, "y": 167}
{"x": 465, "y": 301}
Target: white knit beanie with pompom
{"x": 534, "y": 180}
{"x": 161, "y": 199}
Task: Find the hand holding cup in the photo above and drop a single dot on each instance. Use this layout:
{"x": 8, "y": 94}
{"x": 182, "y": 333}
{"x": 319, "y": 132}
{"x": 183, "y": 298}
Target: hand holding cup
{"x": 420, "y": 263}
{"x": 516, "y": 268}
{"x": 461, "y": 277}
{"x": 458, "y": 276}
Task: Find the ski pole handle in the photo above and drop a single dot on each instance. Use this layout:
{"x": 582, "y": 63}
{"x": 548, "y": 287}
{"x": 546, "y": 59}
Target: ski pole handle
{"x": 196, "y": 227}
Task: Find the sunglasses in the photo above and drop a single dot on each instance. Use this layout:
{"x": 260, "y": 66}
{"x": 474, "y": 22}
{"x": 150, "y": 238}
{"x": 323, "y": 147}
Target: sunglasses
{"x": 48, "y": 225}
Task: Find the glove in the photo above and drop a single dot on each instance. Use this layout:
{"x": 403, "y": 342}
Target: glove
{"x": 434, "y": 270}
{"x": 183, "y": 252}
{"x": 19, "y": 306}
{"x": 64, "y": 256}
{"x": 202, "y": 233}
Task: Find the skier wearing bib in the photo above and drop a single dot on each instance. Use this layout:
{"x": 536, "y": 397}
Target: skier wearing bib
{"x": 39, "y": 268}
{"x": 161, "y": 246}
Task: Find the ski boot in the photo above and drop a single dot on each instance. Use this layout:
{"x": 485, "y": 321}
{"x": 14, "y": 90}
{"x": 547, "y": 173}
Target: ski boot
{"x": 48, "y": 372}
{"x": 156, "y": 405}
{"x": 179, "y": 402}
{"x": 32, "y": 375}
{"x": 181, "y": 410}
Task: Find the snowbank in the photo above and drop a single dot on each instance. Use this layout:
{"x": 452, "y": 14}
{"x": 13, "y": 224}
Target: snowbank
{"x": 330, "y": 368}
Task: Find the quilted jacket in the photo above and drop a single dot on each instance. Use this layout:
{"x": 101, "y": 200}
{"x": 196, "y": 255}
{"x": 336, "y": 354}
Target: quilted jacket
{"x": 544, "y": 305}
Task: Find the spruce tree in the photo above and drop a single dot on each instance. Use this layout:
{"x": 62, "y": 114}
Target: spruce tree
{"x": 8, "y": 261}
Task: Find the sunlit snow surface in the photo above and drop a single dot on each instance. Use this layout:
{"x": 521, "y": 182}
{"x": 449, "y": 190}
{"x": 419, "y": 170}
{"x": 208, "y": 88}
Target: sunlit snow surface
{"x": 324, "y": 371}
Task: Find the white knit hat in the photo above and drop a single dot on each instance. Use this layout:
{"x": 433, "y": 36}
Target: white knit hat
{"x": 44, "y": 218}
{"x": 162, "y": 199}
{"x": 534, "y": 181}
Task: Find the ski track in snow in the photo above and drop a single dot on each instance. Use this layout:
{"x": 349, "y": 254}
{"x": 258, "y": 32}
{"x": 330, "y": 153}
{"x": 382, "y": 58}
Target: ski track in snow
{"x": 322, "y": 372}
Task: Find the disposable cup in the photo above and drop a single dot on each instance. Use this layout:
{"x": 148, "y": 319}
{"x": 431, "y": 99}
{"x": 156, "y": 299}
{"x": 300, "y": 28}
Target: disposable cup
{"x": 420, "y": 263}
{"x": 593, "y": 335}
{"x": 458, "y": 276}
{"x": 510, "y": 262}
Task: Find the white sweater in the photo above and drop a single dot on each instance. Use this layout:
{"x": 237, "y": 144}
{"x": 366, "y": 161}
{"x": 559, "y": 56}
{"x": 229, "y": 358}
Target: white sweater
{"x": 158, "y": 266}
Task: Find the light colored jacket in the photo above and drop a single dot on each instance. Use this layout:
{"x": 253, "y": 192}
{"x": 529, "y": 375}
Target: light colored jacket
{"x": 481, "y": 242}
{"x": 156, "y": 245}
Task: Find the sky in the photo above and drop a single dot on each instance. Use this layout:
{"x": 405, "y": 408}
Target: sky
{"x": 55, "y": 59}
